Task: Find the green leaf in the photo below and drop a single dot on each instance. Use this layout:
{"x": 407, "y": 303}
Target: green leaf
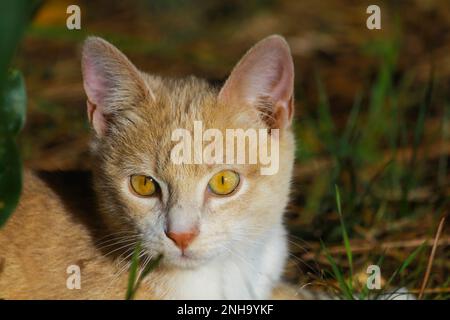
{"x": 13, "y": 104}
{"x": 14, "y": 18}
{"x": 10, "y": 177}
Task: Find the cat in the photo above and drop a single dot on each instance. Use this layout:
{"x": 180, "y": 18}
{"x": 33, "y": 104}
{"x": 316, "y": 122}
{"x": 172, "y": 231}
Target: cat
{"x": 218, "y": 228}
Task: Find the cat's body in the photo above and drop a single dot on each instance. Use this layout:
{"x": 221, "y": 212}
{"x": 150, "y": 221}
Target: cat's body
{"x": 213, "y": 246}
{"x": 54, "y": 227}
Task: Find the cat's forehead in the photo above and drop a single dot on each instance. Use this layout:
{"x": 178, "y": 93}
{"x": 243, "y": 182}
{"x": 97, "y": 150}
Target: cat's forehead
{"x": 178, "y": 104}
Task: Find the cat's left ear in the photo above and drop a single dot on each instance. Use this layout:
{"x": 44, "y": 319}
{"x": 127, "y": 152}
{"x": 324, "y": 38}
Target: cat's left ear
{"x": 264, "y": 78}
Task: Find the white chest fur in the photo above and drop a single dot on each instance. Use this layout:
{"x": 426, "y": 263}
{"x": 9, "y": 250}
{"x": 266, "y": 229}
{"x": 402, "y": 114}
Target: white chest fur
{"x": 249, "y": 273}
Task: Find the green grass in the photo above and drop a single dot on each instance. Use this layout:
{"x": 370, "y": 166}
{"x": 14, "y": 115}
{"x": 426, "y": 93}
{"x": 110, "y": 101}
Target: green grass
{"x": 346, "y": 288}
{"x": 138, "y": 271}
{"x": 378, "y": 185}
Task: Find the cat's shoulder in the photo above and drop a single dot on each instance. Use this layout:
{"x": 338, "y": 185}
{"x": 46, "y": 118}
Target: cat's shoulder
{"x": 52, "y": 204}
{"x": 53, "y": 227}
{"x": 64, "y": 194}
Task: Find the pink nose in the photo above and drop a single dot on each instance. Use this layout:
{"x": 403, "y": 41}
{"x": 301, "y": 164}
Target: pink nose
{"x": 182, "y": 240}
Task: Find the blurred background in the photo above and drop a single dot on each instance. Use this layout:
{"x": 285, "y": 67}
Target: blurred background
{"x": 372, "y": 116}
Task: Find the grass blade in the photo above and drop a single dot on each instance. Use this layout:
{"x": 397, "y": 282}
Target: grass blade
{"x": 348, "y": 249}
{"x": 133, "y": 272}
{"x": 431, "y": 259}
{"x": 134, "y": 280}
{"x": 149, "y": 268}
{"x": 338, "y": 274}
{"x": 406, "y": 263}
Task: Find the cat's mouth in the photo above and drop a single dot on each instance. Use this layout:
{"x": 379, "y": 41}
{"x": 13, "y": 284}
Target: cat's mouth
{"x": 184, "y": 260}
{"x": 174, "y": 257}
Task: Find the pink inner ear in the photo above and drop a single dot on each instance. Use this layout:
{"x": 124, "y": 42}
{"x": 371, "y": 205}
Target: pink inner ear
{"x": 266, "y": 71}
{"x": 95, "y": 88}
{"x": 93, "y": 81}
{"x": 96, "y": 118}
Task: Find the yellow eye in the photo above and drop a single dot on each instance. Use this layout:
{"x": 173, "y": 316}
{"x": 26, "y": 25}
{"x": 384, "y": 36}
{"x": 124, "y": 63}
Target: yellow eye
{"x": 224, "y": 182}
{"x": 143, "y": 185}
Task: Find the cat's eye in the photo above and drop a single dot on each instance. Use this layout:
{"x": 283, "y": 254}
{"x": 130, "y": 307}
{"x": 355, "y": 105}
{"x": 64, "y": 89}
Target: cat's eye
{"x": 143, "y": 186}
{"x": 224, "y": 182}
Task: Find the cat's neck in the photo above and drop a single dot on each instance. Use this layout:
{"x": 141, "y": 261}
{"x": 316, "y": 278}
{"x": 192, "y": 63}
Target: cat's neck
{"x": 248, "y": 272}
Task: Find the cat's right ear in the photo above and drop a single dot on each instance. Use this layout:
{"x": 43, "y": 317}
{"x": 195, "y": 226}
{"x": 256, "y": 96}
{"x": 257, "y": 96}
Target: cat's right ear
{"x": 111, "y": 82}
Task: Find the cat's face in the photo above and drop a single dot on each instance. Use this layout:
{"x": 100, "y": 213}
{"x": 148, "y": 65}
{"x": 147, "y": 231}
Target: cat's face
{"x": 189, "y": 213}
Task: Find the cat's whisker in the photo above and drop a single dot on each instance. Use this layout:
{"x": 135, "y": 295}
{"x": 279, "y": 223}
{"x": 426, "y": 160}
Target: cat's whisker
{"x": 147, "y": 260}
{"x": 142, "y": 266}
{"x": 297, "y": 245}
{"x": 246, "y": 240}
{"x": 122, "y": 269}
{"x": 298, "y": 261}
{"x": 127, "y": 254}
{"x": 132, "y": 244}
{"x": 296, "y": 238}
{"x": 124, "y": 241}
{"x": 114, "y": 234}
{"x": 116, "y": 242}
{"x": 116, "y": 238}
{"x": 303, "y": 248}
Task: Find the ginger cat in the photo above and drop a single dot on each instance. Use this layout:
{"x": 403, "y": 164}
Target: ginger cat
{"x": 219, "y": 227}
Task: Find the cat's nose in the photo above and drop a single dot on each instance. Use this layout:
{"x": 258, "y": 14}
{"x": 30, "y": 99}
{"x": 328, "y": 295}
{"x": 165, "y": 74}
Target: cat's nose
{"x": 182, "y": 239}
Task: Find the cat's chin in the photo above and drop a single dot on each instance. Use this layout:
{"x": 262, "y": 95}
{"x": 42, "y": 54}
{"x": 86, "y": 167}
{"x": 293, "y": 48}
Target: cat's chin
{"x": 184, "y": 261}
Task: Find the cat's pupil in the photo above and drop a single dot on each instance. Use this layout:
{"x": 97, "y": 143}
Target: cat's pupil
{"x": 223, "y": 179}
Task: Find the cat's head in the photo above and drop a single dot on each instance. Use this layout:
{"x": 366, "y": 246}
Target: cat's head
{"x": 190, "y": 213}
